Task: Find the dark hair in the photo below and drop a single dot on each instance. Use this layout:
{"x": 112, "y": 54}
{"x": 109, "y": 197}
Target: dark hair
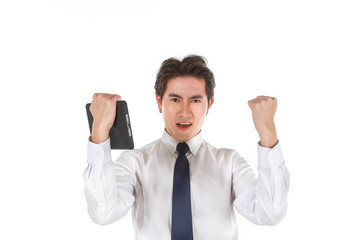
{"x": 193, "y": 65}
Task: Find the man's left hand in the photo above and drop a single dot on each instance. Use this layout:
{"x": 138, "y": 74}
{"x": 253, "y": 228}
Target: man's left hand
{"x": 263, "y": 110}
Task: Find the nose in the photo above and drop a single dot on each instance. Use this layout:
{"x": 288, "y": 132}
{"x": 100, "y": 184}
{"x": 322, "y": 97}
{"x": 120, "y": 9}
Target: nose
{"x": 185, "y": 110}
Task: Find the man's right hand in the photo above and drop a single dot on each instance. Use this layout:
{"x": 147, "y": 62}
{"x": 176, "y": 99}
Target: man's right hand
{"x": 103, "y": 110}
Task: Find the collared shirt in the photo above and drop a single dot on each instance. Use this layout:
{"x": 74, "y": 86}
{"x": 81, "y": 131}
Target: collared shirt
{"x": 220, "y": 179}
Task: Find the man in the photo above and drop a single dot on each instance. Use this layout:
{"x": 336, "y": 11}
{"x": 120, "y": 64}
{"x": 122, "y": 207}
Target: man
{"x": 185, "y": 191}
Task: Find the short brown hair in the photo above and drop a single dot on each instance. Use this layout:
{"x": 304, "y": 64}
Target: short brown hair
{"x": 193, "y": 65}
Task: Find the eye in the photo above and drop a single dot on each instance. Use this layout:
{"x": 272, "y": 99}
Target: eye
{"x": 196, "y": 101}
{"x": 174, "y": 100}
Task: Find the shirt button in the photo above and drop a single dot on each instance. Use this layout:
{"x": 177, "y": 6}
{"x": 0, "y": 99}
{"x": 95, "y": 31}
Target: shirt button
{"x": 98, "y": 153}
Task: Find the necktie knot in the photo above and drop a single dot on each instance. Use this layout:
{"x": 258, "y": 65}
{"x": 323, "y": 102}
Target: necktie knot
{"x": 182, "y": 148}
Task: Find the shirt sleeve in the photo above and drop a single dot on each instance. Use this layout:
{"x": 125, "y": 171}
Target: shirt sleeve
{"x": 109, "y": 197}
{"x": 262, "y": 199}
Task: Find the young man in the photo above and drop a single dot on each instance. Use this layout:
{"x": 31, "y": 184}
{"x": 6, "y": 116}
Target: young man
{"x": 185, "y": 191}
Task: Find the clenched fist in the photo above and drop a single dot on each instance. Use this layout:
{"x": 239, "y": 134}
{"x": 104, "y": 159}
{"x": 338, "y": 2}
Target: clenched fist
{"x": 103, "y": 110}
{"x": 263, "y": 110}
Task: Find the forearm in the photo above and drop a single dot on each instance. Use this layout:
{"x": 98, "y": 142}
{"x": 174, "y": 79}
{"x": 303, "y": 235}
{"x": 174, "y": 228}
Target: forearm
{"x": 268, "y": 136}
{"x": 272, "y": 186}
{"x": 107, "y": 202}
{"x": 99, "y": 133}
{"x": 263, "y": 200}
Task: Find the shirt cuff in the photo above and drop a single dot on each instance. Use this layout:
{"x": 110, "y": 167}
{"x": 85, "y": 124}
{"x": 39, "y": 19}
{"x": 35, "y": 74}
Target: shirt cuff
{"x": 99, "y": 154}
{"x": 270, "y": 157}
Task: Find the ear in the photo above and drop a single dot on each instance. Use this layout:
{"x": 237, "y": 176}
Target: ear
{"x": 211, "y": 101}
{"x": 158, "y": 100}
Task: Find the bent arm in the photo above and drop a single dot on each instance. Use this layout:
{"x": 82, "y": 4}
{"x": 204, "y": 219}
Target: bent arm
{"x": 108, "y": 189}
{"x": 262, "y": 200}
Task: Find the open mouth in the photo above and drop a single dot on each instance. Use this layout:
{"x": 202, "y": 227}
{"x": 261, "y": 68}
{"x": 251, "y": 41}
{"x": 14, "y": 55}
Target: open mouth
{"x": 183, "y": 125}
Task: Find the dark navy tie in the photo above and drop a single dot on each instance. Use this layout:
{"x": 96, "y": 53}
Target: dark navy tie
{"x": 181, "y": 228}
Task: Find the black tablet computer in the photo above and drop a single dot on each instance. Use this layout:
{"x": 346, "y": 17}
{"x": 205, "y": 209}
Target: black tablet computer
{"x": 121, "y": 136}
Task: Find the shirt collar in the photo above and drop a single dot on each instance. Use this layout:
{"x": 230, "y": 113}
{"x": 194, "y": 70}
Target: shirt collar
{"x": 171, "y": 143}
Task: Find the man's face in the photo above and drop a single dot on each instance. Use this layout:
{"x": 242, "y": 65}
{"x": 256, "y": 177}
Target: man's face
{"x": 184, "y": 107}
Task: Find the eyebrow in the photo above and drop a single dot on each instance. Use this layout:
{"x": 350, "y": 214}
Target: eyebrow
{"x": 178, "y": 96}
{"x": 197, "y": 96}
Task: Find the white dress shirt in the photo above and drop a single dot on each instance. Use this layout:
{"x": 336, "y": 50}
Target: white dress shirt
{"x": 220, "y": 179}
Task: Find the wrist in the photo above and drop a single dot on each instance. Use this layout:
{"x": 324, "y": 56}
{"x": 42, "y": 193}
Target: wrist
{"x": 268, "y": 138}
{"x": 96, "y": 138}
{"x": 99, "y": 134}
{"x": 268, "y": 144}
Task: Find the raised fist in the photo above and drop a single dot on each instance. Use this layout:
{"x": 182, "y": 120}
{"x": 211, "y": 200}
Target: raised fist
{"x": 103, "y": 110}
{"x": 263, "y": 110}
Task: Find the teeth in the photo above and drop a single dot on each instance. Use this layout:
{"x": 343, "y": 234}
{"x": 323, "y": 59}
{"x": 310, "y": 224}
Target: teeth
{"x": 184, "y": 124}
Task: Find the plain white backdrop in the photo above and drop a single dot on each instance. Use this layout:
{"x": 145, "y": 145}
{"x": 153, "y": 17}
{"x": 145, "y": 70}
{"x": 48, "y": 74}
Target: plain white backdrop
{"x": 55, "y": 54}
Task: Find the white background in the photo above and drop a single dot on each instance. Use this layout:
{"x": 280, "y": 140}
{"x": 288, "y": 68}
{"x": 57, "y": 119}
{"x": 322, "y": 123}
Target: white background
{"x": 55, "y": 54}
